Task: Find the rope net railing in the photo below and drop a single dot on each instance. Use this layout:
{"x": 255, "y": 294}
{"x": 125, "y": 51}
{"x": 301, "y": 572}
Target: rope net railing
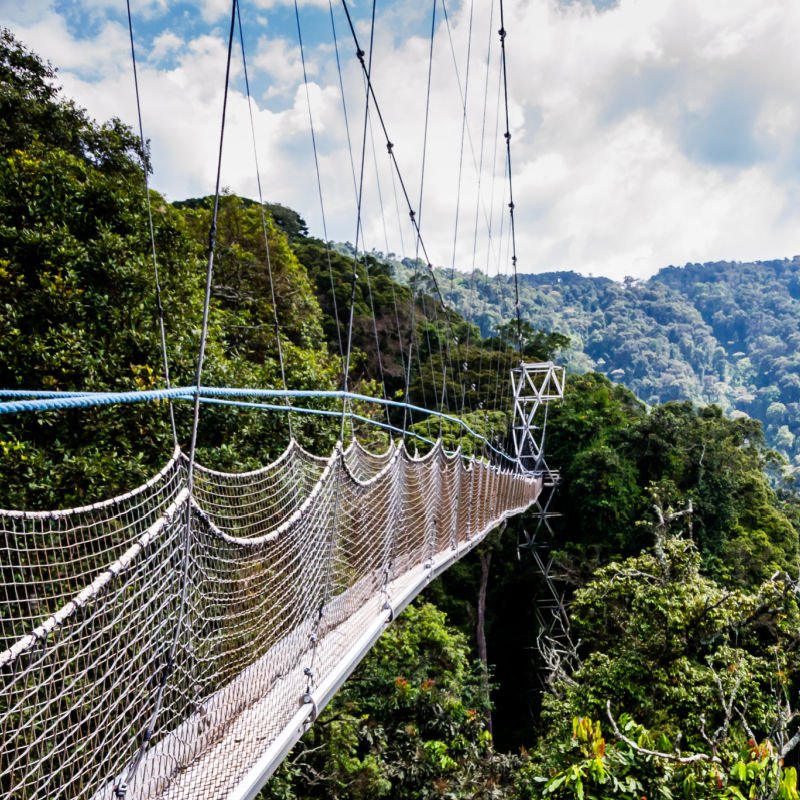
{"x": 286, "y": 569}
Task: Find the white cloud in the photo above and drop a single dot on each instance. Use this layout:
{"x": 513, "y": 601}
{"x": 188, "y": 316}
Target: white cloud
{"x": 215, "y": 10}
{"x": 165, "y": 45}
{"x": 279, "y": 62}
{"x": 50, "y": 37}
{"x": 145, "y": 8}
{"x": 13, "y": 12}
{"x": 643, "y": 134}
{"x": 267, "y": 4}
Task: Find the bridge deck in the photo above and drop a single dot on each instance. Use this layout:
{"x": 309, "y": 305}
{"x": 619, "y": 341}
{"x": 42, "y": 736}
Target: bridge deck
{"x": 357, "y": 537}
{"x": 255, "y": 735}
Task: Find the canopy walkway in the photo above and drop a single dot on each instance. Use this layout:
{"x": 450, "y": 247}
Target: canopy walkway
{"x": 280, "y": 580}
{"x": 177, "y": 640}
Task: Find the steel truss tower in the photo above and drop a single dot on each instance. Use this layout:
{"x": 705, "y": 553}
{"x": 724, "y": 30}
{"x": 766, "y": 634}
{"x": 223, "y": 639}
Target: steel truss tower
{"x": 535, "y": 384}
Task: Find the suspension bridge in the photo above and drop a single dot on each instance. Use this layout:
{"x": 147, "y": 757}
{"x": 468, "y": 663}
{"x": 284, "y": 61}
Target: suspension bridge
{"x": 175, "y": 641}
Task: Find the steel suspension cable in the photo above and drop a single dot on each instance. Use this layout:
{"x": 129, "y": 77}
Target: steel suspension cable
{"x": 145, "y": 171}
{"x": 364, "y": 255}
{"x": 412, "y": 313}
{"x": 502, "y": 355}
{"x": 367, "y": 270}
{"x": 120, "y": 790}
{"x": 415, "y": 223}
{"x": 319, "y": 177}
{"x": 502, "y": 33}
{"x": 344, "y": 101}
{"x": 464, "y": 96}
{"x": 346, "y": 117}
{"x": 491, "y": 241}
{"x": 380, "y": 197}
{"x": 19, "y": 401}
{"x": 386, "y": 245}
{"x": 264, "y": 222}
{"x": 444, "y": 353}
{"x": 378, "y": 354}
{"x": 390, "y": 147}
{"x": 473, "y": 287}
{"x": 360, "y": 54}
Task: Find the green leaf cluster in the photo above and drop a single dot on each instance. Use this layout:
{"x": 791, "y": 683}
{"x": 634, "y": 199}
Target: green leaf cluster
{"x": 618, "y": 459}
{"x": 405, "y": 726}
{"x": 79, "y": 311}
{"x": 726, "y": 333}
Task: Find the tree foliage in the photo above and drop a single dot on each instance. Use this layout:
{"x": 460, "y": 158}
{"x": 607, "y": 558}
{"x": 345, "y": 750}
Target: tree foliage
{"x": 709, "y": 674}
{"x": 404, "y": 727}
{"x": 726, "y": 333}
{"x": 79, "y": 312}
{"x": 614, "y": 454}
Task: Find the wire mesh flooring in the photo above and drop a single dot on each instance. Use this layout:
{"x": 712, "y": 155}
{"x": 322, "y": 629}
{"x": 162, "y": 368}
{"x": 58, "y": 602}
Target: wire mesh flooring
{"x": 162, "y": 645}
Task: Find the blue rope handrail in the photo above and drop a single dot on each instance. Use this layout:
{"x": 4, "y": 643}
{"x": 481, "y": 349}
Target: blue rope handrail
{"x": 16, "y": 401}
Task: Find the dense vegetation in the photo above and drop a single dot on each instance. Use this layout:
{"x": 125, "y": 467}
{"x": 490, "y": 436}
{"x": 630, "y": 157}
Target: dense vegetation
{"x": 681, "y": 632}
{"x": 726, "y": 333}
{"x": 673, "y": 670}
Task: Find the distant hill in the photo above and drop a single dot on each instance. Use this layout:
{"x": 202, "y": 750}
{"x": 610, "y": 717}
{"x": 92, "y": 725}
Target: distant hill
{"x": 723, "y": 332}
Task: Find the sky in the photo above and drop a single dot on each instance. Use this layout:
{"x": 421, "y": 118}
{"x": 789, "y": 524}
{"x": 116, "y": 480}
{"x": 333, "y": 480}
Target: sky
{"x": 643, "y": 133}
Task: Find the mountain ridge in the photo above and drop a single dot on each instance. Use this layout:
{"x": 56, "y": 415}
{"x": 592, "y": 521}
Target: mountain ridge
{"x": 724, "y": 332}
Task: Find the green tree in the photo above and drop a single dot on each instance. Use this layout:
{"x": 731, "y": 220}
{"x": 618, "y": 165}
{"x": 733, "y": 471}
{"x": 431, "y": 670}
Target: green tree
{"x": 78, "y": 307}
{"x": 705, "y": 667}
{"x": 613, "y": 453}
{"x": 405, "y": 726}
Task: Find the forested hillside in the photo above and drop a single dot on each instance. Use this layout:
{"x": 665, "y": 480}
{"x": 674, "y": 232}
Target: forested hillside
{"x": 675, "y": 561}
{"x": 677, "y": 668}
{"x": 726, "y": 333}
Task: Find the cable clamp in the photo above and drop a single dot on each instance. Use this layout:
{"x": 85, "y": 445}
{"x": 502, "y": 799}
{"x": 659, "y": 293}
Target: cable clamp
{"x": 502, "y": 33}
{"x": 121, "y": 789}
{"x": 309, "y": 700}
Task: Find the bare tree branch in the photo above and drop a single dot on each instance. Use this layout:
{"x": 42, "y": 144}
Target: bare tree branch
{"x": 693, "y": 759}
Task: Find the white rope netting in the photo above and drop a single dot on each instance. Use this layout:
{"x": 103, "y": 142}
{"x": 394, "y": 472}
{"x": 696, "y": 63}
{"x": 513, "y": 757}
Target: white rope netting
{"x": 282, "y": 570}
